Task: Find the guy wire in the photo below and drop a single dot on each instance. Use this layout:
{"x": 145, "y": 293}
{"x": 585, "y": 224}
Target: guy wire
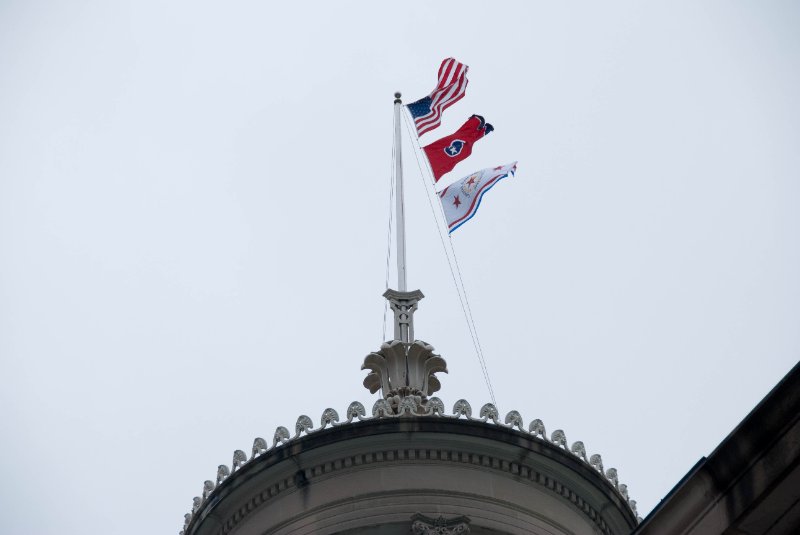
{"x": 464, "y": 302}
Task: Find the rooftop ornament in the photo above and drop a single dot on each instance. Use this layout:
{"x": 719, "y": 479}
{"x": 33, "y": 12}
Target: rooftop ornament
{"x": 404, "y": 368}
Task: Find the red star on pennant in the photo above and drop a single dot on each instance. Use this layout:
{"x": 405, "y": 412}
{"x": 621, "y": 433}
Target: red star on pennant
{"x": 471, "y": 181}
{"x": 497, "y": 168}
{"x": 456, "y": 202}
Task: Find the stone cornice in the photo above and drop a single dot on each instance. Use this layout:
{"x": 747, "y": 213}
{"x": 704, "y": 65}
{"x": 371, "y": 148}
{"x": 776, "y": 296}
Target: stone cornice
{"x": 383, "y": 420}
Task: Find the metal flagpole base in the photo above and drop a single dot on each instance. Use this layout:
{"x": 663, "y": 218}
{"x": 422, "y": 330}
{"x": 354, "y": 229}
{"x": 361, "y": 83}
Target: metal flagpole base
{"x": 403, "y": 304}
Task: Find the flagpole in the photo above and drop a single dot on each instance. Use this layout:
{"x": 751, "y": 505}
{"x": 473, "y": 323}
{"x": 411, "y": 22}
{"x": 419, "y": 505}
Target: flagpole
{"x": 400, "y": 205}
{"x": 402, "y": 302}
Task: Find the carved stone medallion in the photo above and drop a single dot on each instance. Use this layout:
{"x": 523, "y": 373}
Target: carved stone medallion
{"x": 425, "y": 525}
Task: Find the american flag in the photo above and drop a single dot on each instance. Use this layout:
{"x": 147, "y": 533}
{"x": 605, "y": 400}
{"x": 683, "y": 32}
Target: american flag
{"x": 427, "y": 112}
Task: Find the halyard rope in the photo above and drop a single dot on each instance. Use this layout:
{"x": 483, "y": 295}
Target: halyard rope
{"x": 473, "y": 331}
{"x": 392, "y": 178}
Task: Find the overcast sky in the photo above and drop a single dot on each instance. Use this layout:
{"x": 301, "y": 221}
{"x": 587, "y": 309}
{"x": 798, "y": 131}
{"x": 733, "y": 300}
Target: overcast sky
{"x": 193, "y": 217}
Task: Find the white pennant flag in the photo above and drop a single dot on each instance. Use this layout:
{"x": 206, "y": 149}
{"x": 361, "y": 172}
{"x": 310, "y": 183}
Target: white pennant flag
{"x": 461, "y": 199}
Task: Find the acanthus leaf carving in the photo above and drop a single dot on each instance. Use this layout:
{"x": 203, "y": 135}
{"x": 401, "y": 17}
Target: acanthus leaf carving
{"x": 381, "y": 408}
{"x": 597, "y": 462}
{"x": 559, "y": 438}
{"x": 514, "y": 419}
{"x": 239, "y": 459}
{"x": 355, "y": 410}
{"x": 425, "y": 525}
{"x": 462, "y": 408}
{"x": 281, "y": 436}
{"x": 489, "y": 412}
{"x": 580, "y": 450}
{"x": 208, "y": 488}
{"x": 611, "y": 474}
{"x": 536, "y": 428}
{"x": 435, "y": 406}
{"x": 632, "y": 503}
{"x": 329, "y": 416}
{"x": 401, "y": 369}
{"x": 434, "y": 364}
{"x": 303, "y": 425}
{"x": 378, "y": 377}
{"x": 407, "y": 406}
{"x": 259, "y": 447}
{"x": 222, "y": 473}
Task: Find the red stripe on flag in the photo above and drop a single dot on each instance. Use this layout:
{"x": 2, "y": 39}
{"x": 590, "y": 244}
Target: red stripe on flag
{"x": 450, "y": 88}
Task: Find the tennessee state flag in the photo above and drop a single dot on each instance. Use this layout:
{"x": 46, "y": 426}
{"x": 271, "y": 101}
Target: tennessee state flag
{"x": 444, "y": 154}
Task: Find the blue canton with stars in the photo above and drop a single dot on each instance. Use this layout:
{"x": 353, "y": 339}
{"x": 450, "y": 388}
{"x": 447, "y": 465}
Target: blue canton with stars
{"x": 420, "y": 107}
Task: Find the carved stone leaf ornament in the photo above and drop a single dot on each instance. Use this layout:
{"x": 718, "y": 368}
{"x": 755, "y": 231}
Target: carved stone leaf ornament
{"x": 611, "y": 474}
{"x": 435, "y": 406}
{"x": 425, "y": 525}
{"x": 632, "y": 503}
{"x": 418, "y": 528}
{"x": 559, "y": 438}
{"x": 462, "y": 408}
{"x": 239, "y": 459}
{"x": 329, "y": 416}
{"x": 404, "y": 367}
{"x": 355, "y": 410}
{"x": 259, "y": 447}
{"x": 378, "y": 377}
{"x": 536, "y": 428}
{"x": 381, "y": 408}
{"x": 422, "y": 367}
{"x": 387, "y": 368}
{"x": 580, "y": 450}
{"x": 303, "y": 425}
{"x": 489, "y": 412}
{"x": 597, "y": 462}
{"x": 222, "y": 473}
{"x": 281, "y": 435}
{"x": 208, "y": 488}
{"x": 514, "y": 419}
{"x": 407, "y": 406}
